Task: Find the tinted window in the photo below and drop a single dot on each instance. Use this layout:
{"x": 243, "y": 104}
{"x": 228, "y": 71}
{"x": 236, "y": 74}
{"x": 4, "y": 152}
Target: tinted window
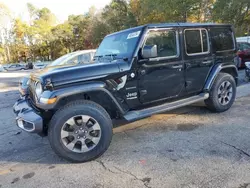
{"x": 165, "y": 41}
{"x": 193, "y": 41}
{"x": 204, "y": 39}
{"x": 222, "y": 39}
{"x": 196, "y": 41}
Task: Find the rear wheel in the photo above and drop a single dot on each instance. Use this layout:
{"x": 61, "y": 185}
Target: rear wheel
{"x": 81, "y": 131}
{"x": 222, "y": 94}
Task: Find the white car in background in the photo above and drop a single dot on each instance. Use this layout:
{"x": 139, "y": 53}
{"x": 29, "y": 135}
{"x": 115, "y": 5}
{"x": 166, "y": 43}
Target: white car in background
{"x": 74, "y": 58}
{"x": 243, "y": 39}
{"x": 71, "y": 59}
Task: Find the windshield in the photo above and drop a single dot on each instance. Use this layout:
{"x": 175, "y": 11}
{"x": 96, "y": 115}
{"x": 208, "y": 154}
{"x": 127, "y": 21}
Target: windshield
{"x": 120, "y": 44}
{"x": 60, "y": 60}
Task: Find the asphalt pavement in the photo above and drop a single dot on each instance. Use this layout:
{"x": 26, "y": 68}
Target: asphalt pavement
{"x": 186, "y": 148}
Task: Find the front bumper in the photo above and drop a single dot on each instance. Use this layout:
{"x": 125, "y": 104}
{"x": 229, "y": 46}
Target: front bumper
{"x": 27, "y": 118}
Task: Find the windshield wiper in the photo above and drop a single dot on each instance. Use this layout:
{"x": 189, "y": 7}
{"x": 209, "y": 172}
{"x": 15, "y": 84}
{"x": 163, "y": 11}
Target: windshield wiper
{"x": 114, "y": 56}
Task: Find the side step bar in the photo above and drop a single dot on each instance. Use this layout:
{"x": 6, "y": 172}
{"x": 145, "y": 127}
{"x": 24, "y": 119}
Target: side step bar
{"x": 139, "y": 114}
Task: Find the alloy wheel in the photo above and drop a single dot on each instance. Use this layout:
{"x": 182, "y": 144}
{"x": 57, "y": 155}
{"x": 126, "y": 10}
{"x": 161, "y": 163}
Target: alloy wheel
{"x": 225, "y": 93}
{"x": 81, "y": 133}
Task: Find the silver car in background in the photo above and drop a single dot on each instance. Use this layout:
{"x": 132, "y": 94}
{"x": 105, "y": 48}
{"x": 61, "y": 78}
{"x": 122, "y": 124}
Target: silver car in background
{"x": 41, "y": 65}
{"x": 15, "y": 67}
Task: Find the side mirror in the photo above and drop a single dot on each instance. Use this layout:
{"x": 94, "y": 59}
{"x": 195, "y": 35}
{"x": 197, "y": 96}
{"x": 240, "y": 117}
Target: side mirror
{"x": 149, "y": 52}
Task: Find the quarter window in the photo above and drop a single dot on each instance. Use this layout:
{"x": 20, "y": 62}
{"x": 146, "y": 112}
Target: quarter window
{"x": 196, "y": 41}
{"x": 166, "y": 41}
{"x": 223, "y": 39}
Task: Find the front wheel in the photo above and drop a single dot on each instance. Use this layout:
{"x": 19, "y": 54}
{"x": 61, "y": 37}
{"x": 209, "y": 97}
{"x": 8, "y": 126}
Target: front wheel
{"x": 81, "y": 131}
{"x": 222, "y": 94}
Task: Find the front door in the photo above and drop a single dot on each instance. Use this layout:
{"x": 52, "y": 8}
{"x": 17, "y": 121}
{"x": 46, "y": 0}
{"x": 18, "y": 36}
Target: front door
{"x": 198, "y": 59}
{"x": 162, "y": 77}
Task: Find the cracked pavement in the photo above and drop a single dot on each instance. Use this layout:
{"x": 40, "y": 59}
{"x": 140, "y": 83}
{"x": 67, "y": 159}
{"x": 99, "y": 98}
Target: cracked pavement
{"x": 186, "y": 148}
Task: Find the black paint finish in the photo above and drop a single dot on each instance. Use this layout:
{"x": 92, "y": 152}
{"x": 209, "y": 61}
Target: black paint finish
{"x": 147, "y": 80}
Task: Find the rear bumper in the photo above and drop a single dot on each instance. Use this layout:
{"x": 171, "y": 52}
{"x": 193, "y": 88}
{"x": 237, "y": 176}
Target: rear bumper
{"x": 27, "y": 118}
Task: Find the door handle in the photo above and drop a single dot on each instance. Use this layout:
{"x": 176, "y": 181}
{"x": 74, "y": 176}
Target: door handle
{"x": 177, "y": 66}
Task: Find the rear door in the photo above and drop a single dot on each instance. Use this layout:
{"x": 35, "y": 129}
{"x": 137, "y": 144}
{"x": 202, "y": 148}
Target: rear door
{"x": 197, "y": 58}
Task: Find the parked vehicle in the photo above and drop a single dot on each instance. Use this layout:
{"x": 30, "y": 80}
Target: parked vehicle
{"x": 2, "y": 69}
{"x": 247, "y": 71}
{"x": 74, "y": 58}
{"x": 39, "y": 65}
{"x": 243, "y": 39}
{"x": 5, "y": 66}
{"x": 71, "y": 59}
{"x": 243, "y": 53}
{"x": 15, "y": 67}
{"x": 138, "y": 72}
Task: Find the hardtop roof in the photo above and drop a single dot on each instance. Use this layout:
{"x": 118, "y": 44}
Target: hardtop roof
{"x": 161, "y": 25}
{"x": 186, "y": 25}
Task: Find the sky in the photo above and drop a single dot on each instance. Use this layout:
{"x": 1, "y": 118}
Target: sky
{"x": 61, "y": 8}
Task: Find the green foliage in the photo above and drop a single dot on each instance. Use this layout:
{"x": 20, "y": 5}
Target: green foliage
{"x": 43, "y": 38}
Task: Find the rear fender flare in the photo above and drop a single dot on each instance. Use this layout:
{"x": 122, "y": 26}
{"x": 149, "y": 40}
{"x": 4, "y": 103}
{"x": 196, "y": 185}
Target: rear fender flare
{"x": 216, "y": 70}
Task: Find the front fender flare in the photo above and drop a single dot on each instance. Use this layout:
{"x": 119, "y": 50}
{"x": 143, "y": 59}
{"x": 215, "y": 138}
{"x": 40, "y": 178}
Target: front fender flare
{"x": 77, "y": 89}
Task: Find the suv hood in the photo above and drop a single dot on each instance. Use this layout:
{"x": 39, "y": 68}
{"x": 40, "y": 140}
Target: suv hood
{"x": 71, "y": 74}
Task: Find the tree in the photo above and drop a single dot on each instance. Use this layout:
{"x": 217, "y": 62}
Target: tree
{"x": 32, "y": 12}
{"x": 62, "y": 39}
{"x": 43, "y": 38}
{"x": 235, "y": 12}
{"x": 5, "y": 18}
{"x": 117, "y": 15}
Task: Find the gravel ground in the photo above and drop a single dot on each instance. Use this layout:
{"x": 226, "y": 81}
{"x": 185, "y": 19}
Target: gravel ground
{"x": 187, "y": 148}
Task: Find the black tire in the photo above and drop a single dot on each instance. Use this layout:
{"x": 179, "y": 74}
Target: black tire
{"x": 212, "y": 102}
{"x": 80, "y": 108}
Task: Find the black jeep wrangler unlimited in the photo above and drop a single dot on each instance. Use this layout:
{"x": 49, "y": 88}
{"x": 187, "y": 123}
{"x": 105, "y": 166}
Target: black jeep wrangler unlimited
{"x": 137, "y": 72}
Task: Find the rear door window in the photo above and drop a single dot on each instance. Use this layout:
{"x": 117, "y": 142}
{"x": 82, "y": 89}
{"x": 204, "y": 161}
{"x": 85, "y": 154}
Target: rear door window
{"x": 196, "y": 41}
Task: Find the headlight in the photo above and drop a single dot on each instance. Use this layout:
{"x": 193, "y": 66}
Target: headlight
{"x": 39, "y": 89}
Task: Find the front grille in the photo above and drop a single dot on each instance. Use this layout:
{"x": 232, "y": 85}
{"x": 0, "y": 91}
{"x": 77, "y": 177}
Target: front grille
{"x": 32, "y": 93}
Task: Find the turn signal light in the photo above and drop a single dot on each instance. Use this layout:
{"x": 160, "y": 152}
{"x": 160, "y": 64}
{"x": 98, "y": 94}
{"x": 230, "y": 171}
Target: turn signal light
{"x": 48, "y": 101}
